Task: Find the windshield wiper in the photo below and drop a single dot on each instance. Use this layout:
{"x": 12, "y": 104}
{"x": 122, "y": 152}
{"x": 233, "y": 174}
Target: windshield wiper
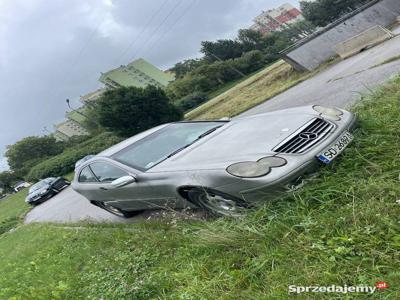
{"x": 199, "y": 137}
{"x": 178, "y": 150}
{"x": 208, "y": 132}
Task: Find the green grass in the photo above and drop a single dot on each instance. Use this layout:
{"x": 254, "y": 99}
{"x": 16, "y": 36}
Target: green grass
{"x": 341, "y": 228}
{"x": 69, "y": 176}
{"x": 250, "y": 92}
{"x": 12, "y": 210}
{"x": 231, "y": 84}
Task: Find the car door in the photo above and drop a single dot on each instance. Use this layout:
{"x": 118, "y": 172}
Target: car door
{"x": 140, "y": 194}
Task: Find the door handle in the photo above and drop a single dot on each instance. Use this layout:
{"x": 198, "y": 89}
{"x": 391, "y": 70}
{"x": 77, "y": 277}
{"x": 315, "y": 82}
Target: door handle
{"x": 103, "y": 188}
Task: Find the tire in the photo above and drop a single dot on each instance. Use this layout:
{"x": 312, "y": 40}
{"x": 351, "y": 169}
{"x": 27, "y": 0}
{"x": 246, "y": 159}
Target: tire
{"x": 217, "y": 203}
{"x": 116, "y": 211}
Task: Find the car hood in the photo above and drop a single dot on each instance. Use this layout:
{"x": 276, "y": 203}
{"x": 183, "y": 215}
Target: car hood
{"x": 241, "y": 139}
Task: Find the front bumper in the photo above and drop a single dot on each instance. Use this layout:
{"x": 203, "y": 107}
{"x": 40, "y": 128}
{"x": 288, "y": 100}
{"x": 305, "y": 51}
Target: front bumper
{"x": 40, "y": 199}
{"x": 264, "y": 189}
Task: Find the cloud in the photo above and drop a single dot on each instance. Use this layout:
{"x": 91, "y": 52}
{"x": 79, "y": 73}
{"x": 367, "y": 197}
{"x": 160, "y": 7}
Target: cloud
{"x": 53, "y": 50}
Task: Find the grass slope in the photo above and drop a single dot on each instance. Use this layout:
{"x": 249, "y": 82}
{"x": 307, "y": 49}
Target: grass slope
{"x": 341, "y": 228}
{"x": 250, "y": 92}
{"x": 12, "y": 210}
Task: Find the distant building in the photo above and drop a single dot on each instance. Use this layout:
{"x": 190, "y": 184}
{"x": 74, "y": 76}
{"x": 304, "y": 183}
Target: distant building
{"x": 59, "y": 135}
{"x": 89, "y": 97}
{"x": 71, "y": 127}
{"x": 276, "y": 19}
{"x": 138, "y": 73}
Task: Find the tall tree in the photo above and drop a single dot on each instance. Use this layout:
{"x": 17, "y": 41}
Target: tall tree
{"x": 181, "y": 68}
{"x": 250, "y": 39}
{"x": 128, "y": 111}
{"x": 221, "y": 50}
{"x": 323, "y": 12}
{"x": 7, "y": 180}
{"x": 30, "y": 150}
{"x": 297, "y": 30}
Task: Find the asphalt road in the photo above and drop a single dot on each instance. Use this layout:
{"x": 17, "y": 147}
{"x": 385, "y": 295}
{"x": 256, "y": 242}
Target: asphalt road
{"x": 69, "y": 206}
{"x": 339, "y": 85}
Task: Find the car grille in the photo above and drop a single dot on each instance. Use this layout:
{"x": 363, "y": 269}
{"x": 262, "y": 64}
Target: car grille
{"x": 306, "y": 137}
{"x": 59, "y": 184}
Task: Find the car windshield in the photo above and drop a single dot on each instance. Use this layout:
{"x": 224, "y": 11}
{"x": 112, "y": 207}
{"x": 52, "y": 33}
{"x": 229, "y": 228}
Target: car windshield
{"x": 37, "y": 186}
{"x": 164, "y": 143}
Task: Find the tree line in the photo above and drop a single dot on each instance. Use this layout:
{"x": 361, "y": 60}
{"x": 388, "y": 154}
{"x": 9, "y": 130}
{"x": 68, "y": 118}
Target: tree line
{"x": 226, "y": 60}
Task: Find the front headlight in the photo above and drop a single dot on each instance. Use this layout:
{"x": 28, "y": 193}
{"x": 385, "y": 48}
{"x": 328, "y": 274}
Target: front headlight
{"x": 43, "y": 192}
{"x": 252, "y": 169}
{"x": 330, "y": 112}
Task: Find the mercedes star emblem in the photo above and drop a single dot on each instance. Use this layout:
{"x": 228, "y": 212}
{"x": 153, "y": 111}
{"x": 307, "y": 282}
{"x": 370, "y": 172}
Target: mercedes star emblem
{"x": 309, "y": 136}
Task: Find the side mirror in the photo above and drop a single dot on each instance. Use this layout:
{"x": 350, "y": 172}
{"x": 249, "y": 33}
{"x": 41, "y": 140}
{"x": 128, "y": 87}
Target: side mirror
{"x": 122, "y": 181}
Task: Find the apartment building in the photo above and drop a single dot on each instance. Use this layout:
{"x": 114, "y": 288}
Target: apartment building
{"x": 138, "y": 73}
{"x": 276, "y": 19}
{"x": 71, "y": 127}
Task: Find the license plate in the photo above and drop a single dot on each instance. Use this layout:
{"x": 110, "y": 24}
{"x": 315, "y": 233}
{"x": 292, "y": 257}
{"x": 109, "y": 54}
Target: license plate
{"x": 331, "y": 152}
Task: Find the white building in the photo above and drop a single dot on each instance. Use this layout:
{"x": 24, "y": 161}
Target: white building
{"x": 68, "y": 129}
{"x": 93, "y": 96}
{"x": 276, "y": 19}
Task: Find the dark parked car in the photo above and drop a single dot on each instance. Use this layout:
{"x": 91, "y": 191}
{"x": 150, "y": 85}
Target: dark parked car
{"x": 45, "y": 189}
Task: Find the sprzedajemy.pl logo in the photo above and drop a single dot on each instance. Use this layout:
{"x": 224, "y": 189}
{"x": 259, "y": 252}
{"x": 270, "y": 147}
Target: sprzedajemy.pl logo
{"x": 343, "y": 289}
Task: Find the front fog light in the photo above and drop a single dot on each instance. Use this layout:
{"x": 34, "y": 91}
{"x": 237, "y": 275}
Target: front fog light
{"x": 331, "y": 112}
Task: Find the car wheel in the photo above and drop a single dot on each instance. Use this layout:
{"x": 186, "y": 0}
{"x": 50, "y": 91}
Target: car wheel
{"x": 217, "y": 203}
{"x": 115, "y": 210}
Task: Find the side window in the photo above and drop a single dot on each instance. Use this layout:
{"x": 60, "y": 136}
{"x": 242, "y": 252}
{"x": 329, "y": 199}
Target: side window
{"x": 86, "y": 176}
{"x": 106, "y": 172}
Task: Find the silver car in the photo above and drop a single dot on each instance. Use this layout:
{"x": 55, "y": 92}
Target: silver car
{"x": 221, "y": 166}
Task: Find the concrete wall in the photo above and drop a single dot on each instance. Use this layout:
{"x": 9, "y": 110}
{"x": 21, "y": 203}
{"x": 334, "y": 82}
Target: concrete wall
{"x": 371, "y": 37}
{"x": 317, "y": 49}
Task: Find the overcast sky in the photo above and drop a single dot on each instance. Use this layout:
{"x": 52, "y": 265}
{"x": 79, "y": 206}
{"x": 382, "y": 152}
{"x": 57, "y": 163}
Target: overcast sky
{"x": 51, "y": 50}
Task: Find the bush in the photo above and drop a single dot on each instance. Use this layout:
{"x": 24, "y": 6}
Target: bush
{"x": 191, "y": 101}
{"x": 209, "y": 77}
{"x": 25, "y": 153}
{"x": 64, "y": 163}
